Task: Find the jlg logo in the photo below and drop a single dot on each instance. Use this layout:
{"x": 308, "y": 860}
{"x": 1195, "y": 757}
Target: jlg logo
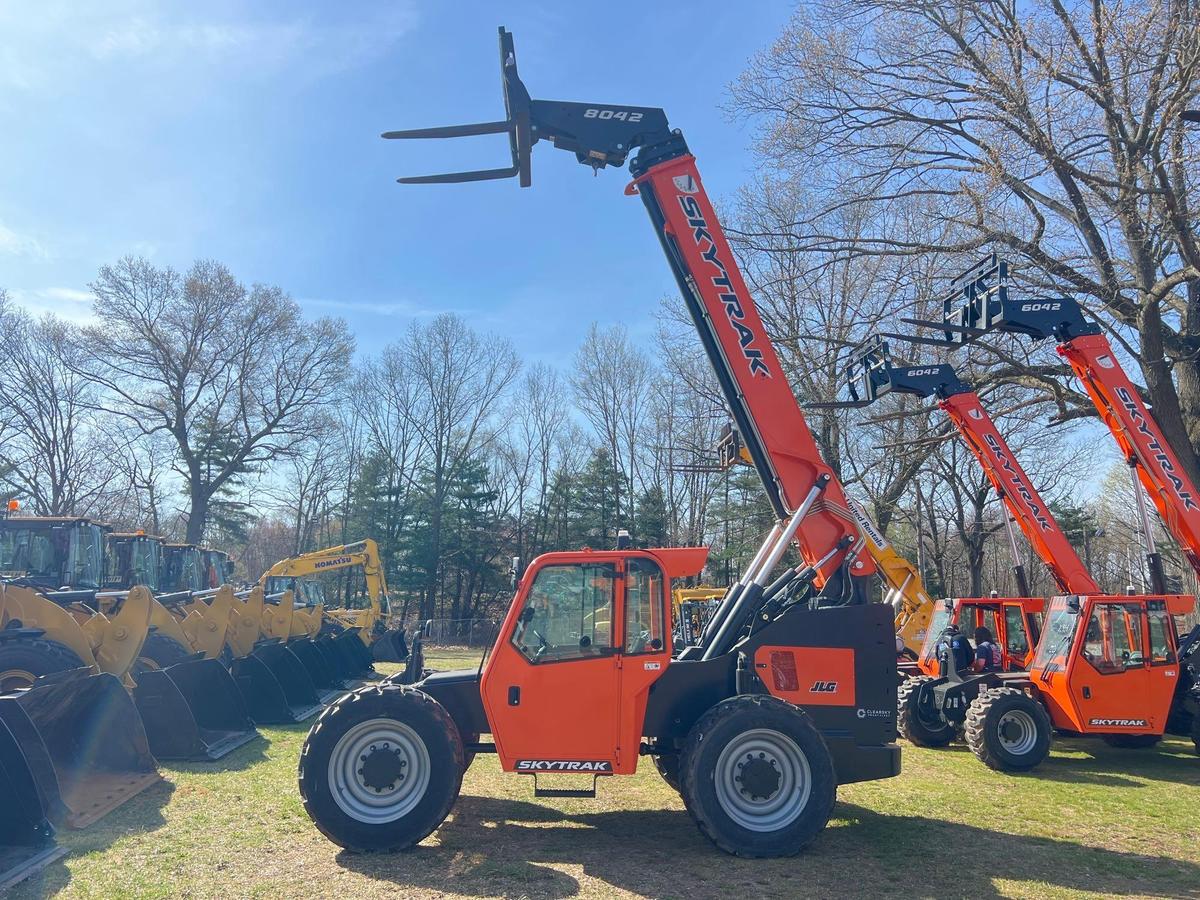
{"x": 1041, "y": 307}
{"x": 823, "y": 687}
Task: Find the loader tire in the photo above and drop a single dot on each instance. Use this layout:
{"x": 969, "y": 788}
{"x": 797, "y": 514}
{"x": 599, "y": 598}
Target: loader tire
{"x": 925, "y": 728}
{"x": 1196, "y": 733}
{"x": 158, "y": 652}
{"x": 24, "y": 660}
{"x": 757, "y": 777}
{"x": 1132, "y": 741}
{"x": 381, "y": 768}
{"x": 668, "y": 767}
{"x": 1008, "y": 730}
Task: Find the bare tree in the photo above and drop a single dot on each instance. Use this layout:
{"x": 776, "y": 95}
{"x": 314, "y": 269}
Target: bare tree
{"x": 1049, "y": 128}
{"x": 233, "y": 375}
{"x": 55, "y": 453}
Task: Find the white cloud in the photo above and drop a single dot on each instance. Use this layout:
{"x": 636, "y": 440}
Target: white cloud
{"x": 14, "y": 244}
{"x": 68, "y": 303}
{"x": 402, "y": 308}
{"x": 50, "y": 43}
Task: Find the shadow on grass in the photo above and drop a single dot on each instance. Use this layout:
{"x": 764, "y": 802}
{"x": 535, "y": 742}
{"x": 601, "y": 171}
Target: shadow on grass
{"x": 244, "y": 757}
{"x": 495, "y": 846}
{"x": 140, "y": 814}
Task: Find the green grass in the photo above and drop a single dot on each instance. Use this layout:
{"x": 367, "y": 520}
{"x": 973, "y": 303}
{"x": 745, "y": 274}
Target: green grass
{"x": 1092, "y": 821}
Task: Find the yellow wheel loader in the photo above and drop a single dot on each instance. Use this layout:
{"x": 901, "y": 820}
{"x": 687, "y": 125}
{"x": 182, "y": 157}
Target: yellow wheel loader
{"x": 63, "y": 700}
{"x": 274, "y": 686}
{"x": 367, "y": 620}
{"x": 189, "y": 705}
{"x": 693, "y": 607}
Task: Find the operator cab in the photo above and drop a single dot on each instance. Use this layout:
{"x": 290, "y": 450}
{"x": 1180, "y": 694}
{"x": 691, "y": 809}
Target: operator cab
{"x": 53, "y": 551}
{"x": 1014, "y": 622}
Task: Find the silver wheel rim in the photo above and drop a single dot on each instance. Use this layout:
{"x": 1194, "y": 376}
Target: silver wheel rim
{"x": 355, "y": 780}
{"x": 762, "y": 779}
{"x": 1017, "y": 732}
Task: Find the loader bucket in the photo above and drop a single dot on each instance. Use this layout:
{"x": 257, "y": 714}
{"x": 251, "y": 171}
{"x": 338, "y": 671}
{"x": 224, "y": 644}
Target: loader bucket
{"x": 192, "y": 711}
{"x": 275, "y": 685}
{"x": 83, "y": 741}
{"x": 323, "y": 679}
{"x": 26, "y": 836}
{"x": 358, "y": 655}
{"x": 390, "y": 647}
{"x": 344, "y": 658}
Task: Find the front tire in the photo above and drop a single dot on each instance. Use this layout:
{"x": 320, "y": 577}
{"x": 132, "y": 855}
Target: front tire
{"x": 24, "y": 660}
{"x": 381, "y": 768}
{"x": 1008, "y": 730}
{"x": 667, "y": 765}
{"x": 923, "y": 727}
{"x": 158, "y": 652}
{"x": 757, "y": 777}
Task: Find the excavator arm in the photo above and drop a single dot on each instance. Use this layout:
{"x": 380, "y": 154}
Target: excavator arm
{"x": 802, "y": 488}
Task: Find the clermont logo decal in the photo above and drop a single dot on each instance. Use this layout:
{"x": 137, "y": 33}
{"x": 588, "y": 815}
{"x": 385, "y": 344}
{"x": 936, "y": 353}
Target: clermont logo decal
{"x": 563, "y": 765}
{"x": 1119, "y": 723}
{"x": 686, "y": 183}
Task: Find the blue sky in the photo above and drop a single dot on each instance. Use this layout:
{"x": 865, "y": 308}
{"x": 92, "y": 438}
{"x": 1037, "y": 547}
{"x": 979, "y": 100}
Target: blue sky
{"x": 248, "y": 133}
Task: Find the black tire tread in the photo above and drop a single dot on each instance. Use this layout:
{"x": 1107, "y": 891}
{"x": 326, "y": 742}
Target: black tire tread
{"x": 339, "y": 707}
{"x": 911, "y": 728}
{"x": 45, "y": 656}
{"x": 668, "y": 766}
{"x": 163, "y": 650}
{"x": 976, "y": 731}
{"x": 689, "y": 774}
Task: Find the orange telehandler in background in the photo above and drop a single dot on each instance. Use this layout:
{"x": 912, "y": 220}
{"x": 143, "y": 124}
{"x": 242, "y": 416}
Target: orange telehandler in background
{"x": 1108, "y": 665}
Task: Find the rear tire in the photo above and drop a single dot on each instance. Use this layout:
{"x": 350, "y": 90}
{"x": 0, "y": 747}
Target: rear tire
{"x": 1196, "y": 733}
{"x": 925, "y": 728}
{"x": 1008, "y": 730}
{"x": 1132, "y": 741}
{"x": 381, "y": 768}
{"x": 757, "y": 777}
{"x": 158, "y": 652}
{"x": 24, "y": 660}
{"x": 667, "y": 765}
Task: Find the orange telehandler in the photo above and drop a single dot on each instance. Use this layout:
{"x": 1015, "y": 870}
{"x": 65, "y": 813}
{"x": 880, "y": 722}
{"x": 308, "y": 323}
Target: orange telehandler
{"x": 1108, "y": 665}
{"x": 791, "y": 689}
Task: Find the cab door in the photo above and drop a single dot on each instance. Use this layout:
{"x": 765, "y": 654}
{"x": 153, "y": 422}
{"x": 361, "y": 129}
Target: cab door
{"x": 1111, "y": 678}
{"x": 552, "y": 687}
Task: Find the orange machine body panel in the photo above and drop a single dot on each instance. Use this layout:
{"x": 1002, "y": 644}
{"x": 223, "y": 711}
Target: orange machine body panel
{"x": 808, "y": 676}
{"x": 583, "y": 713}
{"x": 1118, "y": 672}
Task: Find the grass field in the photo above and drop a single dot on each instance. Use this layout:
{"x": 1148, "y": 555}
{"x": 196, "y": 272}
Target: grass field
{"x": 1093, "y": 821}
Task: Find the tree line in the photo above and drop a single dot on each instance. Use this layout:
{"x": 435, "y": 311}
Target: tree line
{"x": 895, "y": 142}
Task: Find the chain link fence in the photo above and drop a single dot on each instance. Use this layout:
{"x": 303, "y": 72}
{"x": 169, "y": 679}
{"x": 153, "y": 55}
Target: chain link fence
{"x": 459, "y": 632}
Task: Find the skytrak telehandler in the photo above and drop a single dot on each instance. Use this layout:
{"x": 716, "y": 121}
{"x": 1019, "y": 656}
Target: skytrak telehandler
{"x": 1112, "y": 666}
{"x": 274, "y": 684}
{"x": 791, "y": 689}
{"x": 189, "y": 706}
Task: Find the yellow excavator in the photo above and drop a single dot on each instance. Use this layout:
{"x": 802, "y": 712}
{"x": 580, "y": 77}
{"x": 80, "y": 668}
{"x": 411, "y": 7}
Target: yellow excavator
{"x": 275, "y": 684}
{"x": 905, "y": 588}
{"x": 361, "y": 630}
{"x": 691, "y": 608}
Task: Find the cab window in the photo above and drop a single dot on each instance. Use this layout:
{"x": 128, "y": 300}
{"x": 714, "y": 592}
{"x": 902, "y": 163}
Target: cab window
{"x": 1014, "y": 631}
{"x": 568, "y": 613}
{"x": 1162, "y": 649}
{"x": 1113, "y": 642}
{"x": 644, "y": 620}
